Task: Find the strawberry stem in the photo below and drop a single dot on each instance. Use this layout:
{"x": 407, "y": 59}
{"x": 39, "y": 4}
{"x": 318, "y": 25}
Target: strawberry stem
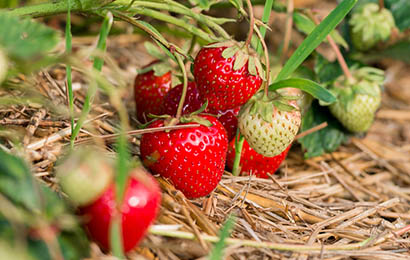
{"x": 288, "y": 30}
{"x": 381, "y": 5}
{"x": 239, "y": 139}
{"x": 185, "y": 85}
{"x": 251, "y": 24}
{"x": 336, "y": 50}
{"x": 266, "y": 52}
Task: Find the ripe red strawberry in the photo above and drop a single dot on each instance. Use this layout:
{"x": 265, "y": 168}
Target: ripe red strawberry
{"x": 150, "y": 91}
{"x": 192, "y": 100}
{"x": 138, "y": 211}
{"x": 229, "y": 120}
{"x": 253, "y": 163}
{"x": 193, "y": 159}
{"x": 220, "y": 83}
{"x": 87, "y": 178}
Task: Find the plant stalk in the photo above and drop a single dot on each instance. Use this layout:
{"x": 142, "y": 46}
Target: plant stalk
{"x": 267, "y": 64}
{"x": 251, "y": 24}
{"x": 267, "y": 10}
{"x": 336, "y": 50}
{"x": 288, "y": 31}
{"x": 185, "y": 85}
{"x": 381, "y": 5}
{"x": 239, "y": 139}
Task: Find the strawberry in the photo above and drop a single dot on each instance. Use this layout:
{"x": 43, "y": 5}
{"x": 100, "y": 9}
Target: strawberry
{"x": 269, "y": 124}
{"x": 370, "y": 25}
{"x": 192, "y": 100}
{"x": 228, "y": 118}
{"x": 86, "y": 177}
{"x": 226, "y": 75}
{"x": 193, "y": 159}
{"x": 150, "y": 90}
{"x": 358, "y": 98}
{"x": 253, "y": 163}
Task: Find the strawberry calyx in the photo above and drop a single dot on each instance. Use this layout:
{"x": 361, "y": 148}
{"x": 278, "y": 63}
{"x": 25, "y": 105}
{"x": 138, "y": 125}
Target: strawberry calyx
{"x": 264, "y": 105}
{"x": 242, "y": 55}
{"x": 365, "y": 81}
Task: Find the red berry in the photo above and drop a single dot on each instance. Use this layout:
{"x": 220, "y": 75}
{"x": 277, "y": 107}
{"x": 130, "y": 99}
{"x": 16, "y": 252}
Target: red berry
{"x": 193, "y": 159}
{"x": 218, "y": 82}
{"x": 192, "y": 100}
{"x": 150, "y": 91}
{"x": 138, "y": 211}
{"x": 254, "y": 163}
{"x": 229, "y": 120}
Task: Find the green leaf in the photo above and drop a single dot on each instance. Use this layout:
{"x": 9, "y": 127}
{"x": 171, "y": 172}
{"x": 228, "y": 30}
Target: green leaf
{"x": 17, "y": 183}
{"x": 306, "y": 85}
{"x": 102, "y": 39}
{"x": 399, "y": 51}
{"x": 165, "y": 49}
{"x": 306, "y": 25}
{"x": 325, "y": 140}
{"x": 161, "y": 68}
{"x": 218, "y": 250}
{"x": 401, "y": 12}
{"x": 24, "y": 38}
{"x": 153, "y": 50}
{"x": 315, "y": 38}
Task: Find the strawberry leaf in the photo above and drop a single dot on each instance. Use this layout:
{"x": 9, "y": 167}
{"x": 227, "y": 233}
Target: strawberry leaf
{"x": 306, "y": 85}
{"x": 326, "y": 140}
{"x": 153, "y": 50}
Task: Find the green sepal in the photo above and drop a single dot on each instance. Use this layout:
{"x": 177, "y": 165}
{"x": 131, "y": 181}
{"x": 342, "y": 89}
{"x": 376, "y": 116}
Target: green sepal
{"x": 283, "y": 106}
{"x": 230, "y": 52}
{"x": 259, "y": 67}
{"x": 252, "y": 66}
{"x": 197, "y": 119}
{"x": 240, "y": 61}
{"x": 201, "y": 109}
{"x": 161, "y": 68}
{"x": 220, "y": 44}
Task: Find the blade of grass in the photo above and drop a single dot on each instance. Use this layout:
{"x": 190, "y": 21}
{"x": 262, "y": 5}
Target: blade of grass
{"x": 116, "y": 242}
{"x": 306, "y": 85}
{"x": 267, "y": 10}
{"x": 315, "y": 38}
{"x": 98, "y": 62}
{"x": 218, "y": 250}
{"x": 68, "y": 43}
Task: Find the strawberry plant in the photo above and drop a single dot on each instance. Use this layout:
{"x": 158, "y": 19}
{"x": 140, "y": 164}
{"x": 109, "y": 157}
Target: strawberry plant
{"x": 239, "y": 84}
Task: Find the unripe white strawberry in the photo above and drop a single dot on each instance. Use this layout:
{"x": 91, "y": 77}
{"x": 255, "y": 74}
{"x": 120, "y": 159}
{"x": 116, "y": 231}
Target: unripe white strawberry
{"x": 269, "y": 124}
{"x": 358, "y": 99}
{"x": 370, "y": 25}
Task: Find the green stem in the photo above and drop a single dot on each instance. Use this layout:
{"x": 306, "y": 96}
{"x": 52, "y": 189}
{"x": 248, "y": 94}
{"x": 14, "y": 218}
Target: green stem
{"x": 68, "y": 37}
{"x": 179, "y": 22}
{"x": 116, "y": 237}
{"x": 239, "y": 139}
{"x": 267, "y": 10}
{"x": 172, "y": 6}
{"x": 184, "y": 88}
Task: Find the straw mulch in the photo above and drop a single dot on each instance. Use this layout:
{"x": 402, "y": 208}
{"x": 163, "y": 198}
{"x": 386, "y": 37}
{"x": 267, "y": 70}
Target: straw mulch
{"x": 353, "y": 203}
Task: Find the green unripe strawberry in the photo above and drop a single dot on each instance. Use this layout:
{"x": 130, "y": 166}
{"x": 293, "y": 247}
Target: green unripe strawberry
{"x": 370, "y": 25}
{"x": 358, "y": 98}
{"x": 269, "y": 124}
{"x": 84, "y": 175}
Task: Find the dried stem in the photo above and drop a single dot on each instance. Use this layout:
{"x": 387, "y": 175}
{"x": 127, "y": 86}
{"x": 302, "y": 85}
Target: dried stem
{"x": 251, "y": 24}
{"x": 288, "y": 31}
{"x": 258, "y": 244}
{"x": 266, "y": 52}
{"x": 311, "y": 130}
